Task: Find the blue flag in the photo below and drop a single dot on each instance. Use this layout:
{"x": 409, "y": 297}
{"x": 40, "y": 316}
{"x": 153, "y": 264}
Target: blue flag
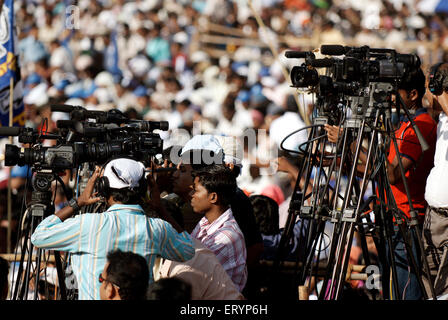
{"x": 9, "y": 68}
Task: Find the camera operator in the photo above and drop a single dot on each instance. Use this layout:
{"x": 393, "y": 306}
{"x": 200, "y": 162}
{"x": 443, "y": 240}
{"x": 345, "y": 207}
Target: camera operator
{"x": 435, "y": 228}
{"x": 416, "y": 164}
{"x": 123, "y": 226}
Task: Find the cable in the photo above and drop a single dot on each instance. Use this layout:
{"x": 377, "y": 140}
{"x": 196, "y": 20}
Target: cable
{"x": 304, "y": 143}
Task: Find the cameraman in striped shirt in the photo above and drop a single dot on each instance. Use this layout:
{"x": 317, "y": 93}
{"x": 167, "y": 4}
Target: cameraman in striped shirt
{"x": 124, "y": 226}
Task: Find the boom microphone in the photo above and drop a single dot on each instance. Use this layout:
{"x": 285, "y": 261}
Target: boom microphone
{"x": 333, "y": 49}
{"x": 9, "y": 131}
{"x": 299, "y": 54}
{"x": 322, "y": 63}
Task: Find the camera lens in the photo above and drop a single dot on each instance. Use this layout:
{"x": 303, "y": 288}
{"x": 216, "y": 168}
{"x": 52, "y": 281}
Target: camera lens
{"x": 12, "y": 155}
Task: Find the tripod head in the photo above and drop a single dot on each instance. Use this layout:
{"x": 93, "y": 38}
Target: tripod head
{"x": 41, "y": 204}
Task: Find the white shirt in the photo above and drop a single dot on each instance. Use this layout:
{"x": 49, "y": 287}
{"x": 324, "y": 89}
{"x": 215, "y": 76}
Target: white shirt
{"x": 285, "y": 125}
{"x": 61, "y": 58}
{"x": 436, "y": 193}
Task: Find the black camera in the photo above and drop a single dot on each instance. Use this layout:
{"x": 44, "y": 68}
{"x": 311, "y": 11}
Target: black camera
{"x": 304, "y": 75}
{"x": 79, "y": 140}
{"x": 364, "y": 65}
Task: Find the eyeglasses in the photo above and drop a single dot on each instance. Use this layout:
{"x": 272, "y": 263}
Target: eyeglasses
{"x": 101, "y": 280}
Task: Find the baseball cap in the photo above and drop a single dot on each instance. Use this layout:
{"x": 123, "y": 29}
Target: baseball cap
{"x": 202, "y": 142}
{"x": 124, "y": 173}
{"x": 233, "y": 152}
{"x": 205, "y": 142}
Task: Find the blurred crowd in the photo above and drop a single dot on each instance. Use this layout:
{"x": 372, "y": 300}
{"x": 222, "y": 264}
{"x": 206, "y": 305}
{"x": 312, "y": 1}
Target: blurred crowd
{"x": 143, "y": 57}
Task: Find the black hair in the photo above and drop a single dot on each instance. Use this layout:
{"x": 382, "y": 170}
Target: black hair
{"x": 229, "y": 102}
{"x": 291, "y": 104}
{"x": 266, "y": 214}
{"x": 236, "y": 171}
{"x": 442, "y": 75}
{"x": 414, "y": 79}
{"x": 130, "y": 272}
{"x": 130, "y": 196}
{"x": 219, "y": 179}
{"x": 173, "y": 289}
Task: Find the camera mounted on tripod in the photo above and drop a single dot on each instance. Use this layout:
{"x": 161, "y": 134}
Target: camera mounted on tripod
{"x": 89, "y": 136}
{"x": 361, "y": 78}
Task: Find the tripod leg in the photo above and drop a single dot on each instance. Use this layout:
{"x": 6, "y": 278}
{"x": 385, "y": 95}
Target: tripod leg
{"x": 387, "y": 231}
{"x": 24, "y": 242}
{"x": 61, "y": 277}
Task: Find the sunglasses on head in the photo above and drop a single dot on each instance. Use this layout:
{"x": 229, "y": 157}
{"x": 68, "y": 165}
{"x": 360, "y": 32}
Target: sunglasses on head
{"x": 101, "y": 280}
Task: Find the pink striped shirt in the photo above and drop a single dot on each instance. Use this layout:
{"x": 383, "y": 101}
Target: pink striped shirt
{"x": 224, "y": 237}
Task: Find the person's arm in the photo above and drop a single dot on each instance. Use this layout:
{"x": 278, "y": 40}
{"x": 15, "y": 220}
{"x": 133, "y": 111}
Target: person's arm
{"x": 334, "y": 133}
{"x": 393, "y": 169}
{"x": 58, "y": 231}
{"x": 84, "y": 199}
{"x": 409, "y": 150}
{"x": 158, "y": 206}
{"x": 174, "y": 245}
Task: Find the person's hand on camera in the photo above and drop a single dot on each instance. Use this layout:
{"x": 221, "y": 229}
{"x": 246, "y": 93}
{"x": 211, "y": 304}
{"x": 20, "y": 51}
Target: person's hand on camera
{"x": 333, "y": 133}
{"x": 153, "y": 191}
{"x": 88, "y": 197}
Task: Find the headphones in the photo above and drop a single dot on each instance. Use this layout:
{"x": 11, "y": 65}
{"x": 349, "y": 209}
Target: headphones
{"x": 102, "y": 184}
{"x": 437, "y": 83}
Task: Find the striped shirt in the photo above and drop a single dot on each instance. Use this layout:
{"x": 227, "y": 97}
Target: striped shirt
{"x": 224, "y": 237}
{"x": 89, "y": 237}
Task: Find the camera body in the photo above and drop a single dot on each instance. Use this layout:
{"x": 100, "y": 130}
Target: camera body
{"x": 81, "y": 140}
{"x": 354, "y": 77}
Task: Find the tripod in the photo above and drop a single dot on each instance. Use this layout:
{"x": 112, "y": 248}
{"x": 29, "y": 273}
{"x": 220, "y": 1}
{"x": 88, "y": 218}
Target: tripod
{"x": 40, "y": 207}
{"x": 370, "y": 114}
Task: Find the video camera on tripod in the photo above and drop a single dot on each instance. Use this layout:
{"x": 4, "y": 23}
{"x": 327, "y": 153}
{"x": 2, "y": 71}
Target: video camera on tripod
{"x": 354, "y": 90}
{"x": 363, "y": 77}
{"x": 358, "y": 67}
{"x": 88, "y": 138}
{"x": 80, "y": 140}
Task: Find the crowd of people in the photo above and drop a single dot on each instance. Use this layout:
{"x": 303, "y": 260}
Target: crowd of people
{"x": 144, "y": 59}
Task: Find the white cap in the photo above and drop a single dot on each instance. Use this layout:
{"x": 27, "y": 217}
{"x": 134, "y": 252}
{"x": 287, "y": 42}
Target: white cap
{"x": 203, "y": 142}
{"x": 124, "y": 173}
{"x": 233, "y": 152}
{"x": 104, "y": 79}
{"x": 37, "y": 95}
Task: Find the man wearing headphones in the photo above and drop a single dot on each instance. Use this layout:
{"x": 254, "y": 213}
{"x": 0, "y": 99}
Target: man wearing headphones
{"x": 124, "y": 226}
{"x": 435, "y": 227}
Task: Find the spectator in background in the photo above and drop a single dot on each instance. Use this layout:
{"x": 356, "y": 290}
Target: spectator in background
{"x": 158, "y": 49}
{"x": 267, "y": 215}
{"x": 286, "y": 124}
{"x": 125, "y": 277}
